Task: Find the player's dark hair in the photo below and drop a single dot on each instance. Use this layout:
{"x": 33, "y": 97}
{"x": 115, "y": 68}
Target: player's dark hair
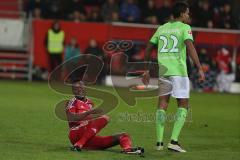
{"x": 178, "y": 8}
{"x": 76, "y": 83}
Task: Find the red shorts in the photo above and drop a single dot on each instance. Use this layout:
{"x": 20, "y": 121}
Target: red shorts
{"x": 96, "y": 142}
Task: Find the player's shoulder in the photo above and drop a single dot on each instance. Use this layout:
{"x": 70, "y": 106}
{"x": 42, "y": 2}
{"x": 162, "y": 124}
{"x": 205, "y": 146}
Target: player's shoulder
{"x": 162, "y": 27}
{"x": 70, "y": 103}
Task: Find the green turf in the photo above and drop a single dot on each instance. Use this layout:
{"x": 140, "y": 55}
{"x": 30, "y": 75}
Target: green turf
{"x": 29, "y": 130}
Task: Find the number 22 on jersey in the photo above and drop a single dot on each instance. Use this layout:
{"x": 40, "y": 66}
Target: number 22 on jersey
{"x": 165, "y": 49}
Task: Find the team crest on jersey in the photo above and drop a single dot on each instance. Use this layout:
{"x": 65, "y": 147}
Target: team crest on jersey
{"x": 190, "y": 32}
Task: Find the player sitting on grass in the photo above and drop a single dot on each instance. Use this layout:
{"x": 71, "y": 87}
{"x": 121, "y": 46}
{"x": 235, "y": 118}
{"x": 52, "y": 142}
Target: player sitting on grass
{"x": 84, "y": 128}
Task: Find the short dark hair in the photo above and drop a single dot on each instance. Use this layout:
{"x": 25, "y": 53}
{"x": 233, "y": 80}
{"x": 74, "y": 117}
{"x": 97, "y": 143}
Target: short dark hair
{"x": 76, "y": 83}
{"x": 178, "y": 8}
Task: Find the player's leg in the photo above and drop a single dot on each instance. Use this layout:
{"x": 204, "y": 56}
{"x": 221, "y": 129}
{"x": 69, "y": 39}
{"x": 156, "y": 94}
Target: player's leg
{"x": 161, "y": 119}
{"x": 59, "y": 59}
{"x": 180, "y": 118}
{"x": 165, "y": 89}
{"x": 52, "y": 61}
{"x": 104, "y": 142}
{"x": 91, "y": 130}
{"x": 75, "y": 135}
{"x": 181, "y": 92}
{"x": 126, "y": 145}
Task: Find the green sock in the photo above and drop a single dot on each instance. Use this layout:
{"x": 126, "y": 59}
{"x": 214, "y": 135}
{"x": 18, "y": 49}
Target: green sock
{"x": 160, "y": 121}
{"x": 179, "y": 122}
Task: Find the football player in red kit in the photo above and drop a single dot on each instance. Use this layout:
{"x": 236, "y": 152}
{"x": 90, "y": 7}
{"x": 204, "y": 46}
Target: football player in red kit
{"x": 84, "y": 128}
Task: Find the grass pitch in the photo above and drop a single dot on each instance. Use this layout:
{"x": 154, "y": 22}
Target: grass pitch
{"x": 29, "y": 129}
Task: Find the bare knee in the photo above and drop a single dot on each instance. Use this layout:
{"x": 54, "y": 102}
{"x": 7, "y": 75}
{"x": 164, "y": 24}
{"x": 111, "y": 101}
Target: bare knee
{"x": 182, "y": 103}
{"x": 163, "y": 105}
{"x": 105, "y": 117}
{"x": 163, "y": 102}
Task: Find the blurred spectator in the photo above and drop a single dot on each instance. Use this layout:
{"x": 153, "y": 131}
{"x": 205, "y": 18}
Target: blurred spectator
{"x": 204, "y": 57}
{"x": 164, "y": 12}
{"x": 72, "y": 50}
{"x": 34, "y": 7}
{"x": 107, "y": 10}
{"x": 194, "y": 7}
{"x": 223, "y": 60}
{"x": 209, "y": 85}
{"x": 225, "y": 77}
{"x": 129, "y": 11}
{"x": 55, "y": 9}
{"x": 95, "y": 16}
{"x": 210, "y": 70}
{"x": 55, "y": 44}
{"x": 75, "y": 10}
{"x": 204, "y": 14}
{"x": 224, "y": 81}
{"x": 114, "y": 17}
{"x": 218, "y": 4}
{"x": 210, "y": 24}
{"x": 37, "y": 13}
{"x": 132, "y": 53}
{"x": 149, "y": 11}
{"x": 76, "y": 5}
{"x": 76, "y": 16}
{"x": 226, "y": 17}
{"x": 153, "y": 20}
{"x": 95, "y": 50}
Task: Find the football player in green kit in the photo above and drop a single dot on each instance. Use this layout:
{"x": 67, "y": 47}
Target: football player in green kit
{"x": 173, "y": 40}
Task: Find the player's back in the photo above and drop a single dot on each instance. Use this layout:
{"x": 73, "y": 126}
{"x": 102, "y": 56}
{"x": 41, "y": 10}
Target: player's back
{"x": 170, "y": 39}
{"x": 172, "y": 36}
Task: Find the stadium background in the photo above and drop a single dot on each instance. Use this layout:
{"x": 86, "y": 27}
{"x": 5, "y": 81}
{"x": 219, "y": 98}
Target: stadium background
{"x": 28, "y": 124}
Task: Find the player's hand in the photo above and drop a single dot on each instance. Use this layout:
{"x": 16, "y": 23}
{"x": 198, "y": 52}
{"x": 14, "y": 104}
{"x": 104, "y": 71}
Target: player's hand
{"x": 201, "y": 75}
{"x": 96, "y": 111}
{"x": 146, "y": 78}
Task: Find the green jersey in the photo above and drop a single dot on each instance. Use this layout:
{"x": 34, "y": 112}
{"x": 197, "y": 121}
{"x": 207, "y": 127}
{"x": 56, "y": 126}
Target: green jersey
{"x": 170, "y": 39}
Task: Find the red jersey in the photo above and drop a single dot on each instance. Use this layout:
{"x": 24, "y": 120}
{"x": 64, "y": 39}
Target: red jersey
{"x": 224, "y": 59}
{"x": 76, "y": 106}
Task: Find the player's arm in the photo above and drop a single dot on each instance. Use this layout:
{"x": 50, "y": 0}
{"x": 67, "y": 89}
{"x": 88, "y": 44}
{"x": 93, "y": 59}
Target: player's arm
{"x": 148, "y": 51}
{"x": 81, "y": 116}
{"x": 146, "y": 75}
{"x": 193, "y": 55}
